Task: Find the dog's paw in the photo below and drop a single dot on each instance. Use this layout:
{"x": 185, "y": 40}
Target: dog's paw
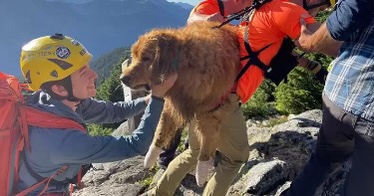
{"x": 152, "y": 156}
{"x": 202, "y": 171}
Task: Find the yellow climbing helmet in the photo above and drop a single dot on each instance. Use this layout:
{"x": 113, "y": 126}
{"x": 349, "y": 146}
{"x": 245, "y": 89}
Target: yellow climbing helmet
{"x": 332, "y": 3}
{"x": 51, "y": 58}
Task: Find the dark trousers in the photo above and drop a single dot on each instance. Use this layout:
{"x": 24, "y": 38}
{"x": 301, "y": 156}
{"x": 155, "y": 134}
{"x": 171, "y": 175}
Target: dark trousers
{"x": 341, "y": 136}
{"x": 168, "y": 154}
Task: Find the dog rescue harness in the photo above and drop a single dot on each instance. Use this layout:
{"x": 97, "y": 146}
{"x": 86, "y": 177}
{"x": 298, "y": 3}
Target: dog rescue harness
{"x": 237, "y": 16}
{"x": 277, "y": 70}
{"x": 221, "y": 8}
{"x": 246, "y": 14}
{"x": 253, "y": 56}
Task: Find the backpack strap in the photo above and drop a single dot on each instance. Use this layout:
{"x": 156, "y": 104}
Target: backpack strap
{"x": 77, "y": 180}
{"x": 236, "y": 16}
{"x": 46, "y": 180}
{"x": 42, "y": 119}
{"x": 38, "y": 118}
{"x": 252, "y": 56}
{"x": 221, "y": 8}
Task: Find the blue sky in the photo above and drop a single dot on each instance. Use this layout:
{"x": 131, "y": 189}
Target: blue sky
{"x": 192, "y": 2}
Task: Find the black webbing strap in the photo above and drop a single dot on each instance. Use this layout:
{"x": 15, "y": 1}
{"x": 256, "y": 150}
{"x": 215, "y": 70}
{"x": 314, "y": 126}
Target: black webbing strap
{"x": 252, "y": 56}
{"x": 236, "y": 16}
{"x": 221, "y": 8}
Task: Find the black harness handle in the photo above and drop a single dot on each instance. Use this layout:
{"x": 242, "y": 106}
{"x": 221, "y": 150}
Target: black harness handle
{"x": 252, "y": 56}
{"x": 221, "y": 8}
{"x": 236, "y": 16}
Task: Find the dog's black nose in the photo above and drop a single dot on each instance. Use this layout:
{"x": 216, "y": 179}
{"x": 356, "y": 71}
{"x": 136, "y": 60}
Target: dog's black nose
{"x": 125, "y": 79}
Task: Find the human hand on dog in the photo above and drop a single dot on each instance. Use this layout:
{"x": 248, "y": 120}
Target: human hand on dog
{"x": 303, "y": 42}
{"x": 160, "y": 90}
{"x": 217, "y": 17}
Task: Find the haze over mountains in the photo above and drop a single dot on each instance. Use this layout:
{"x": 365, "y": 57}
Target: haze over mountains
{"x": 101, "y": 25}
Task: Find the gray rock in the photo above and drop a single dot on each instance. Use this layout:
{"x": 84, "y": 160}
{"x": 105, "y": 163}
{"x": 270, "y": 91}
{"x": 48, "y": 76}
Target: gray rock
{"x": 116, "y": 178}
{"x": 261, "y": 178}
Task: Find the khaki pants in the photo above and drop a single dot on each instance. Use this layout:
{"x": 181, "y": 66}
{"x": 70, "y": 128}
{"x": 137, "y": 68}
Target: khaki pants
{"x": 233, "y": 146}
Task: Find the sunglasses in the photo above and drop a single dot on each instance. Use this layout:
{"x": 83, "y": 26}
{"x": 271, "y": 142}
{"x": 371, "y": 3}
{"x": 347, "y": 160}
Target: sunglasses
{"x": 329, "y": 3}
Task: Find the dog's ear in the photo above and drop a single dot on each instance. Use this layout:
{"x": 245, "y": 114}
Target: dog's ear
{"x": 167, "y": 56}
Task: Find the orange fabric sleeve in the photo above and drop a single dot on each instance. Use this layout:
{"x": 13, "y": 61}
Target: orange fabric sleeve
{"x": 287, "y": 18}
{"x": 207, "y": 7}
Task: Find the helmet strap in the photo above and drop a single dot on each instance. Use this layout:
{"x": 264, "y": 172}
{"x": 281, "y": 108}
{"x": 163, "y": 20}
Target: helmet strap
{"x": 69, "y": 88}
{"x": 67, "y": 84}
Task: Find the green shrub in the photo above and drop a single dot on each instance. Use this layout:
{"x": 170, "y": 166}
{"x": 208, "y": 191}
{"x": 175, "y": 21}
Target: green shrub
{"x": 301, "y": 92}
{"x": 260, "y": 103}
{"x": 95, "y": 129}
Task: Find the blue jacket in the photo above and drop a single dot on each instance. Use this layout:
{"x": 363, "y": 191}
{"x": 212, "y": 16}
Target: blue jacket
{"x": 52, "y": 149}
{"x": 349, "y": 16}
{"x": 349, "y": 84}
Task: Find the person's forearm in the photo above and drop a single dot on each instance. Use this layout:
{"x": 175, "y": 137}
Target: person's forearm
{"x": 317, "y": 69}
{"x": 97, "y": 111}
{"x": 141, "y": 137}
{"x": 307, "y": 64}
{"x": 321, "y": 41}
{"x": 317, "y": 40}
{"x": 82, "y": 148}
{"x": 313, "y": 27}
{"x": 301, "y": 60}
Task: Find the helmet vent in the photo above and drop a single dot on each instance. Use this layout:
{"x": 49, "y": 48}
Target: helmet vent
{"x": 54, "y": 74}
{"x": 28, "y": 78}
{"x": 62, "y": 64}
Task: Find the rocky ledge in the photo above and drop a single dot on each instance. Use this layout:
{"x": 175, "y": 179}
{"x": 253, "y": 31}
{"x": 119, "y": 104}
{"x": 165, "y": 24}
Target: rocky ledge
{"x": 277, "y": 155}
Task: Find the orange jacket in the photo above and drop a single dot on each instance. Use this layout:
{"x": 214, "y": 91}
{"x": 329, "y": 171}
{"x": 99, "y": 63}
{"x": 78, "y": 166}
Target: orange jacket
{"x": 206, "y": 10}
{"x": 207, "y": 7}
{"x": 270, "y": 24}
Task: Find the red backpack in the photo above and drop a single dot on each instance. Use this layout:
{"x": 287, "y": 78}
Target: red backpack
{"x": 14, "y": 138}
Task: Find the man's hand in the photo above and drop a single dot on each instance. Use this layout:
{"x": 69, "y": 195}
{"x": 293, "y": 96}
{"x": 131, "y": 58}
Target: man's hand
{"x": 160, "y": 90}
{"x": 317, "y": 40}
{"x": 217, "y": 17}
{"x": 305, "y": 36}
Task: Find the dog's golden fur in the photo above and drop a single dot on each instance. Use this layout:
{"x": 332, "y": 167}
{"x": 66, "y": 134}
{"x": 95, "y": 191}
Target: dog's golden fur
{"x": 207, "y": 61}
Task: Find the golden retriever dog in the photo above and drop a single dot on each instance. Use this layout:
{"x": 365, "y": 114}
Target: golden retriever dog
{"x": 207, "y": 61}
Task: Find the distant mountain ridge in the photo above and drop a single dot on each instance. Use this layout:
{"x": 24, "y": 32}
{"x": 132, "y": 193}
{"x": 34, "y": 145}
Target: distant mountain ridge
{"x": 101, "y": 25}
{"x": 185, "y": 5}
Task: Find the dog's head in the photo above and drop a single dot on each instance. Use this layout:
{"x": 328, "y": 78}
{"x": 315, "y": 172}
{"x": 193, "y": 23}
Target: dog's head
{"x": 154, "y": 57}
